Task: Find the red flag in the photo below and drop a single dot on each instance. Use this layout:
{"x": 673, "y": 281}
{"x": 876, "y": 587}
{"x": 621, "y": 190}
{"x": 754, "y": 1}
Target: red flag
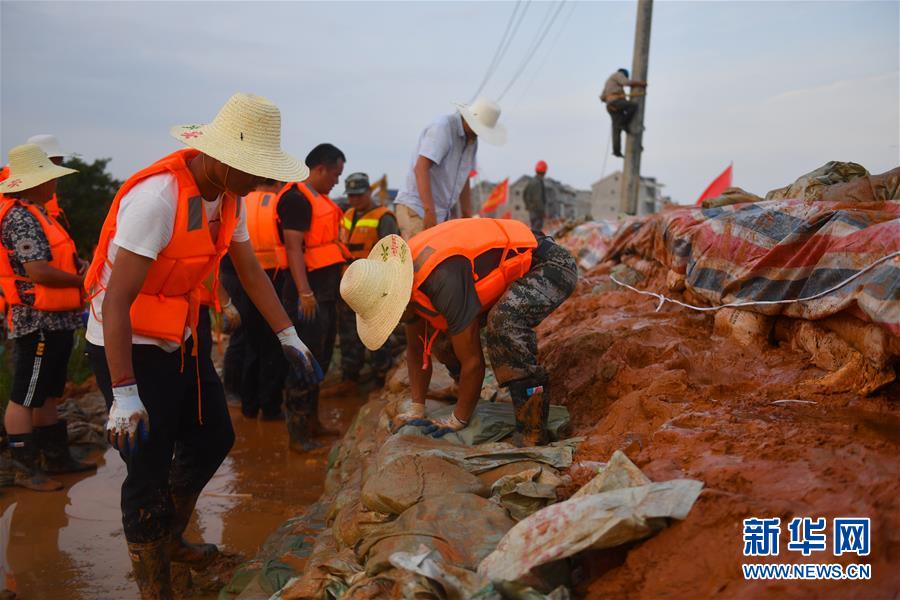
{"x": 496, "y": 199}
{"x": 718, "y": 185}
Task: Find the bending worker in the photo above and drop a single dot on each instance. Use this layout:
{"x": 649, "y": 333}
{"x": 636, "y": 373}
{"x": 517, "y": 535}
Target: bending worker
{"x": 439, "y": 174}
{"x": 167, "y": 229}
{"x": 621, "y": 110}
{"x": 449, "y": 279}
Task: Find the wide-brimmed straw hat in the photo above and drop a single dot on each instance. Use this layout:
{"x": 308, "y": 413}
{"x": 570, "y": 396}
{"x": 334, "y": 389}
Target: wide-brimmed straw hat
{"x": 482, "y": 116}
{"x": 29, "y": 167}
{"x": 378, "y": 289}
{"x": 245, "y": 135}
{"x": 48, "y": 143}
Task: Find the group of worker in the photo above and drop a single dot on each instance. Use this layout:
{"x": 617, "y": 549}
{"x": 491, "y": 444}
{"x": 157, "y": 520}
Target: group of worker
{"x": 233, "y": 224}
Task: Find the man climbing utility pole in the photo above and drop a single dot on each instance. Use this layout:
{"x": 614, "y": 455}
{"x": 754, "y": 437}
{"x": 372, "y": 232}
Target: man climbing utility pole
{"x": 633, "y": 143}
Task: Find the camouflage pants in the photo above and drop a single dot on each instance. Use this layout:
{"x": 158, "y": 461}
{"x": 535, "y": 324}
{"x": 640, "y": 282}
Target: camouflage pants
{"x": 353, "y": 352}
{"x": 510, "y": 337}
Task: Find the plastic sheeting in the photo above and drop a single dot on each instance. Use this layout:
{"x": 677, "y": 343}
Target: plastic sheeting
{"x": 784, "y": 250}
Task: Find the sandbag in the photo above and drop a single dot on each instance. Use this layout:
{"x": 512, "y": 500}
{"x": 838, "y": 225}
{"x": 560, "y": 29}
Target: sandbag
{"x": 812, "y": 185}
{"x": 743, "y": 326}
{"x": 526, "y": 492}
{"x": 462, "y": 528}
{"x": 409, "y": 479}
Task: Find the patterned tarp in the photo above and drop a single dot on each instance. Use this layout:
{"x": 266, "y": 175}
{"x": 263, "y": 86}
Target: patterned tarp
{"x": 780, "y": 250}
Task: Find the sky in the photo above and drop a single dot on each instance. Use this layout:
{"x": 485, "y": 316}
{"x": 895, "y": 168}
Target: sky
{"x": 776, "y": 88}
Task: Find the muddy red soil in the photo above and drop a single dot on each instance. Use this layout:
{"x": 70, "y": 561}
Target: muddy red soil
{"x": 69, "y": 544}
{"x": 685, "y": 403}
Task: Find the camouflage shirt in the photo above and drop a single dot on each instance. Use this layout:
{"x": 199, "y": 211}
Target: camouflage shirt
{"x": 24, "y": 241}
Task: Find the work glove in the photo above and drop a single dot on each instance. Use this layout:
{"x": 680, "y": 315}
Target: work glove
{"x": 414, "y": 415}
{"x": 128, "y": 426}
{"x": 305, "y": 366}
{"x": 231, "y": 318}
{"x": 438, "y": 428}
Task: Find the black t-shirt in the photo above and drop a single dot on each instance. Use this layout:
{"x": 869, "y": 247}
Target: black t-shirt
{"x": 451, "y": 288}
{"x": 295, "y": 213}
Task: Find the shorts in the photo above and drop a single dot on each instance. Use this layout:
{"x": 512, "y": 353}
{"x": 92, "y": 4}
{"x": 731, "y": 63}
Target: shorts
{"x": 409, "y": 221}
{"x": 40, "y": 366}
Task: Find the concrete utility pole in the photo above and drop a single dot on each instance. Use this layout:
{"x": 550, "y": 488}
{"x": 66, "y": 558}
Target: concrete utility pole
{"x": 632, "y": 172}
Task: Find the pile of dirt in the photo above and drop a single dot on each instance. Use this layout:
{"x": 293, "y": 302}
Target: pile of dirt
{"x": 753, "y": 422}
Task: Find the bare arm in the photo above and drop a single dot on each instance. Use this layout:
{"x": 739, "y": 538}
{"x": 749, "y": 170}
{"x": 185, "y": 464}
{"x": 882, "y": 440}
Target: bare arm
{"x": 293, "y": 243}
{"x": 423, "y": 182}
{"x": 467, "y": 347}
{"x": 419, "y": 379}
{"x": 40, "y": 271}
{"x": 258, "y": 285}
{"x": 125, "y": 282}
{"x": 465, "y": 200}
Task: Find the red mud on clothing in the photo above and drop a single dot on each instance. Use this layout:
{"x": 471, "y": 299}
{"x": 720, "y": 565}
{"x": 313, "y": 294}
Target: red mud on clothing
{"x": 70, "y": 545}
{"x": 685, "y": 403}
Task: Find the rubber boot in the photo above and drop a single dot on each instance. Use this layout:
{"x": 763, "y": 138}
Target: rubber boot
{"x": 197, "y": 556}
{"x": 317, "y": 428}
{"x": 298, "y": 406}
{"x": 152, "y": 569}
{"x": 531, "y": 404}
{"x": 53, "y": 443}
{"x": 26, "y": 468}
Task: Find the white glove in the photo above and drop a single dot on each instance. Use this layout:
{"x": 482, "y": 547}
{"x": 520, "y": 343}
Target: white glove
{"x": 305, "y": 366}
{"x": 128, "y": 425}
{"x": 414, "y": 415}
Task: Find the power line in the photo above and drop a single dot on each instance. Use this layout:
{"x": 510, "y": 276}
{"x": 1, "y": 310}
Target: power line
{"x": 548, "y": 53}
{"x": 512, "y": 27}
{"x": 530, "y": 54}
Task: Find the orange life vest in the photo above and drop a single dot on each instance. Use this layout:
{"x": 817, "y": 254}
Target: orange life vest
{"x": 169, "y": 300}
{"x": 262, "y": 224}
{"x": 322, "y": 245}
{"x": 62, "y": 250}
{"x": 361, "y": 237}
{"x": 470, "y": 238}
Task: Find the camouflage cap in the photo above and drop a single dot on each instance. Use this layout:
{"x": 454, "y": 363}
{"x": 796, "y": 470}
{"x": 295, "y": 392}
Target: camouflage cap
{"x": 356, "y": 183}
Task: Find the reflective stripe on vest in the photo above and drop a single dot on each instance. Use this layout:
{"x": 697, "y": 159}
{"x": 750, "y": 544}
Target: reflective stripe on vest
{"x": 471, "y": 238}
{"x": 169, "y": 299}
{"x": 362, "y": 237}
{"x": 63, "y": 257}
{"x": 262, "y": 224}
{"x": 322, "y": 247}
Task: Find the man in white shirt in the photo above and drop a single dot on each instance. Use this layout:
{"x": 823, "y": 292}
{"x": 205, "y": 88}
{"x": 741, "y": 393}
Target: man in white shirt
{"x": 439, "y": 171}
{"x": 148, "y": 339}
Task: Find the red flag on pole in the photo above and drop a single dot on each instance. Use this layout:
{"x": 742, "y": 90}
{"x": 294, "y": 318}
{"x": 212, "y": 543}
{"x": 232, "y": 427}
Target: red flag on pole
{"x": 718, "y": 185}
{"x": 496, "y": 199}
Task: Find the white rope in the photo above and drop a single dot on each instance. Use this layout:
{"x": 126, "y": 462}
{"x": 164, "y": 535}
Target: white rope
{"x": 663, "y": 299}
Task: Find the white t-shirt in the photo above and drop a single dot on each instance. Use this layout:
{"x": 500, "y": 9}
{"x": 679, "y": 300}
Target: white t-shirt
{"x": 144, "y": 225}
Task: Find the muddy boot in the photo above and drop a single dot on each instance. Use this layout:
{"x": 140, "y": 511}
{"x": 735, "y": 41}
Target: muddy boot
{"x": 197, "y": 556}
{"x": 53, "y": 443}
{"x": 25, "y": 466}
{"x": 152, "y": 570}
{"x": 531, "y": 403}
{"x": 317, "y": 428}
{"x": 299, "y": 417}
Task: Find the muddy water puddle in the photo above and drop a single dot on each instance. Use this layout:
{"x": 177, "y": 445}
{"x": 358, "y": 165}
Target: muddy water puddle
{"x": 69, "y": 544}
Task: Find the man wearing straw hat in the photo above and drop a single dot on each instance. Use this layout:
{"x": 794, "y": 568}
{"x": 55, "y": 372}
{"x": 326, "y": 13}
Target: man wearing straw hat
{"x": 41, "y": 277}
{"x": 449, "y": 279}
{"x": 166, "y": 231}
{"x": 439, "y": 171}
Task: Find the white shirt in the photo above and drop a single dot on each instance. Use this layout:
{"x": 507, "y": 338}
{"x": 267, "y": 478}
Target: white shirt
{"x": 144, "y": 225}
{"x": 444, "y": 143}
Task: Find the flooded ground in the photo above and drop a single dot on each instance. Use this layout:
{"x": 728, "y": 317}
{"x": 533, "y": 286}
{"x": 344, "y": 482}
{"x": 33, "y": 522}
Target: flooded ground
{"x": 69, "y": 544}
